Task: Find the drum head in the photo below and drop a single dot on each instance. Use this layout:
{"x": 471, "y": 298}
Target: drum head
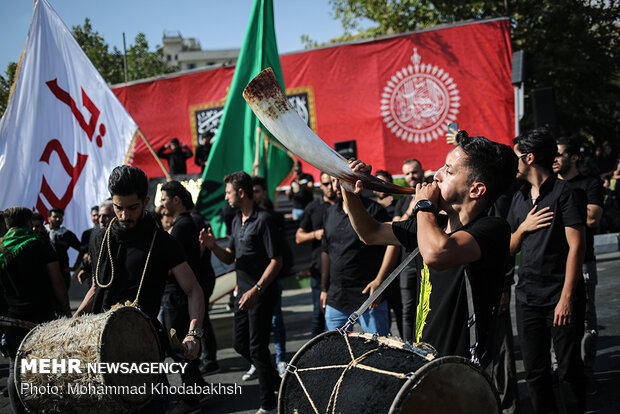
{"x": 325, "y": 375}
{"x": 447, "y": 385}
{"x": 129, "y": 336}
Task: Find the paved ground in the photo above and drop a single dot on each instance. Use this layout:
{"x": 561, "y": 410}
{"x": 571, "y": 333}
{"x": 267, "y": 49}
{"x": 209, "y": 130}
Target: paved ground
{"x": 297, "y": 308}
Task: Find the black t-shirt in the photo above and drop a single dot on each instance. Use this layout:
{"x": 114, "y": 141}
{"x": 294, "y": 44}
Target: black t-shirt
{"x": 444, "y": 294}
{"x": 129, "y": 250}
{"x": 593, "y": 188}
{"x": 544, "y": 251}
{"x": 62, "y": 240}
{"x": 254, "y": 244}
{"x": 26, "y": 284}
{"x": 402, "y": 205}
{"x": 352, "y": 264}
{"x": 313, "y": 220}
{"x": 184, "y": 230}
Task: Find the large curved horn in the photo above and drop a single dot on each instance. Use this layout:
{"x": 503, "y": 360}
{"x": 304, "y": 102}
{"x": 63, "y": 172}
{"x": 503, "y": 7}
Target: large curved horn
{"x": 270, "y": 105}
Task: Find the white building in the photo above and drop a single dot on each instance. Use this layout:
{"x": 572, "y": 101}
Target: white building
{"x": 187, "y": 54}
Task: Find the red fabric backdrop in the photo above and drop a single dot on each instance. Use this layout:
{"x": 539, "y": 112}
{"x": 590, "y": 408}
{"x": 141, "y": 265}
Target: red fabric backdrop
{"x": 394, "y": 97}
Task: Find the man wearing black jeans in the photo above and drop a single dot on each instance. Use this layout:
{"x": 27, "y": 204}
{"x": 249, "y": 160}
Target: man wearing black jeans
{"x": 311, "y": 230}
{"x": 548, "y": 217}
{"x": 31, "y": 283}
{"x": 177, "y": 202}
{"x": 255, "y": 249}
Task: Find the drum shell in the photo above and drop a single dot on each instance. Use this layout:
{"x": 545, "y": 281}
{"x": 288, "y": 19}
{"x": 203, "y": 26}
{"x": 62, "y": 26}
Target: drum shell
{"x": 362, "y": 390}
{"x": 124, "y": 334}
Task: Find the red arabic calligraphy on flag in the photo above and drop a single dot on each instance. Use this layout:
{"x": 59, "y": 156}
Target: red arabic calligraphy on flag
{"x": 64, "y": 130}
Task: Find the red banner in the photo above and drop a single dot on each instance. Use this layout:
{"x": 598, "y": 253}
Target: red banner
{"x": 394, "y": 97}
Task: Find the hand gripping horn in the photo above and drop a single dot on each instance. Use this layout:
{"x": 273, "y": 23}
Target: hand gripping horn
{"x": 270, "y": 105}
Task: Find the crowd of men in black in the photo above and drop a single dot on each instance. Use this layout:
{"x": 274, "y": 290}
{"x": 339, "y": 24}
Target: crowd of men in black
{"x": 469, "y": 220}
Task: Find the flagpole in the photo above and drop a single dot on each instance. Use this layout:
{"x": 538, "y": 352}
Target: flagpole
{"x": 152, "y": 151}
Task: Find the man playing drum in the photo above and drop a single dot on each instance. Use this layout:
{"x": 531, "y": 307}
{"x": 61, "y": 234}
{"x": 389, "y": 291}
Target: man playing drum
{"x": 134, "y": 239}
{"x": 459, "y": 244}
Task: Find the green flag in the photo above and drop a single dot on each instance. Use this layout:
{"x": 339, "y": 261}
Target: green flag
{"x": 235, "y": 148}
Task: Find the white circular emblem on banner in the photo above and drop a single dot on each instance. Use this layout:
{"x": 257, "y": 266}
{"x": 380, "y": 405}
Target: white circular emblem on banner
{"x": 419, "y": 102}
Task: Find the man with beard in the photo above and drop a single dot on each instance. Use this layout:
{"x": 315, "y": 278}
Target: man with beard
{"x": 140, "y": 248}
{"x": 565, "y": 166}
{"x": 347, "y": 268}
{"x": 462, "y": 250}
{"x": 177, "y": 202}
{"x": 254, "y": 247}
{"x": 62, "y": 239}
{"x": 31, "y": 284}
{"x": 311, "y": 229}
{"x": 548, "y": 217}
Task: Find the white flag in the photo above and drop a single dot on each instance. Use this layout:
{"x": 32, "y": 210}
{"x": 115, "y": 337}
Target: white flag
{"x": 63, "y": 131}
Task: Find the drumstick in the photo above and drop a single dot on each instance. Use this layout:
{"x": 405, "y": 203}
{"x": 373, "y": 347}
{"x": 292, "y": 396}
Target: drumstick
{"x": 175, "y": 340}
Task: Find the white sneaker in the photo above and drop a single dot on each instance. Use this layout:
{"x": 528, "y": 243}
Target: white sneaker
{"x": 282, "y": 368}
{"x": 250, "y": 375}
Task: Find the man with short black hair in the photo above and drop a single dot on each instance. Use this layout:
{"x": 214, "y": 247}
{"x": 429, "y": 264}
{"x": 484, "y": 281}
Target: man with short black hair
{"x": 311, "y": 229}
{"x": 177, "y": 202}
{"x": 462, "y": 250}
{"x": 176, "y": 154}
{"x": 254, "y": 247}
{"x": 31, "y": 284}
{"x": 147, "y": 254}
{"x": 565, "y": 166}
{"x": 348, "y": 266}
{"x": 62, "y": 239}
{"x": 548, "y": 217}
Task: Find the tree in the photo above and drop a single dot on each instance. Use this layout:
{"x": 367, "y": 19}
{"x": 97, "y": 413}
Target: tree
{"x": 141, "y": 62}
{"x": 5, "y": 86}
{"x": 109, "y": 64}
{"x": 573, "y": 43}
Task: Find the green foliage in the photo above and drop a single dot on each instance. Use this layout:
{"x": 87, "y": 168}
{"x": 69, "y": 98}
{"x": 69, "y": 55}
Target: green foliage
{"x": 142, "y": 63}
{"x": 5, "y": 86}
{"x": 574, "y": 45}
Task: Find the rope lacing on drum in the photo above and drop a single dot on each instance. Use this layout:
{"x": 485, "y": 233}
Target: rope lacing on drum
{"x": 355, "y": 363}
{"x": 106, "y": 241}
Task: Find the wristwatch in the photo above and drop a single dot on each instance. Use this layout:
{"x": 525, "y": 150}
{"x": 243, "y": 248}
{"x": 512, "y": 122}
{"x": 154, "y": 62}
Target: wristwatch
{"x": 423, "y": 205}
{"x": 197, "y": 333}
{"x": 259, "y": 288}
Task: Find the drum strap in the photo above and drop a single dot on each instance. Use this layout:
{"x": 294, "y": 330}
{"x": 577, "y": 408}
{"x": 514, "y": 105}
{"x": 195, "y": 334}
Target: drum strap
{"x": 471, "y": 320}
{"x": 106, "y": 242}
{"x": 356, "y": 315}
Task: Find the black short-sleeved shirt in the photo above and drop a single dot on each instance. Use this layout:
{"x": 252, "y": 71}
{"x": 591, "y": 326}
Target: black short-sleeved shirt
{"x": 313, "y": 220}
{"x": 26, "y": 284}
{"x": 62, "y": 240}
{"x": 352, "y": 264}
{"x": 129, "y": 257}
{"x": 593, "y": 188}
{"x": 402, "y": 205}
{"x": 254, "y": 243}
{"x": 444, "y": 326}
{"x": 184, "y": 230}
{"x": 544, "y": 251}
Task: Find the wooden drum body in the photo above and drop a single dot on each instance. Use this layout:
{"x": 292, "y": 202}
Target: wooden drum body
{"x": 121, "y": 335}
{"x": 364, "y": 373}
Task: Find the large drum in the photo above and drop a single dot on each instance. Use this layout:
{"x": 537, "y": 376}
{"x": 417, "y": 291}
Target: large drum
{"x": 121, "y": 335}
{"x": 364, "y": 373}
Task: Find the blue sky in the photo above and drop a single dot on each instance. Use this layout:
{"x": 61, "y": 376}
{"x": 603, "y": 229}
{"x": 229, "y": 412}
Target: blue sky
{"x": 217, "y": 24}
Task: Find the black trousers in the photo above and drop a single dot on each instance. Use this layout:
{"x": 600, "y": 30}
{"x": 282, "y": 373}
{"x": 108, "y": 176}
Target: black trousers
{"x": 536, "y": 330}
{"x": 409, "y": 298}
{"x": 176, "y": 316}
{"x": 252, "y": 329}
